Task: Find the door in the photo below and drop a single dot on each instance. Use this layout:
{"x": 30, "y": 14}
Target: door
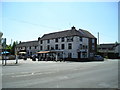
{"x": 79, "y": 54}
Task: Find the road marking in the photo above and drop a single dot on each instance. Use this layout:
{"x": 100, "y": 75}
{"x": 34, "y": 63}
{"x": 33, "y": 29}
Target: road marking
{"x": 105, "y": 85}
{"x": 22, "y": 75}
{"x": 30, "y": 74}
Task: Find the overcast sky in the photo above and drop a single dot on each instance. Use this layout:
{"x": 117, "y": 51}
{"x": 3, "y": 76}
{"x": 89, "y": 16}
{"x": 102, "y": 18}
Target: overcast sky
{"x": 26, "y": 21}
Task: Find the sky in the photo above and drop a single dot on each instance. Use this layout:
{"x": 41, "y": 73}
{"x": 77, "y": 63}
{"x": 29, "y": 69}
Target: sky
{"x": 26, "y": 21}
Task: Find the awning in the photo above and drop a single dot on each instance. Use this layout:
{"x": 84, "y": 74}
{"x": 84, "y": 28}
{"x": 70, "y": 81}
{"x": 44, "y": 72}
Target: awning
{"x": 53, "y": 51}
{"x": 22, "y": 52}
{"x": 43, "y": 52}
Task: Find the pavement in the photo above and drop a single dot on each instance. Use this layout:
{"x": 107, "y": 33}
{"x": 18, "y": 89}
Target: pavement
{"x": 49, "y": 74}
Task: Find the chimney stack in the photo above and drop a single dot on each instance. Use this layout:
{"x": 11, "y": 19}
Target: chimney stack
{"x": 73, "y": 28}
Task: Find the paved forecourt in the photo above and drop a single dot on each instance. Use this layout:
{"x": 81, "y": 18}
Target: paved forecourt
{"x": 49, "y": 74}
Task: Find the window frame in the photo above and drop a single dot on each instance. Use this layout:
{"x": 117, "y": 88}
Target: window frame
{"x": 69, "y": 45}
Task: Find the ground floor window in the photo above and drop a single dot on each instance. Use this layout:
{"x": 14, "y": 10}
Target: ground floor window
{"x": 91, "y": 54}
{"x": 84, "y": 54}
{"x": 69, "y": 55}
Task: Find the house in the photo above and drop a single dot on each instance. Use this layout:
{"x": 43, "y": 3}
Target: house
{"x": 111, "y": 50}
{"x": 68, "y": 44}
{"x": 29, "y": 47}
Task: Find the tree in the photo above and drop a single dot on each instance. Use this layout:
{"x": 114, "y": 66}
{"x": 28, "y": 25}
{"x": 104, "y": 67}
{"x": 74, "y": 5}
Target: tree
{"x": 11, "y": 48}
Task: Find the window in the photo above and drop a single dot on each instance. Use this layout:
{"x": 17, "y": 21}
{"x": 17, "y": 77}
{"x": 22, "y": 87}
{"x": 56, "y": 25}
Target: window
{"x": 69, "y": 39}
{"x": 93, "y": 47}
{"x": 48, "y": 47}
{"x": 41, "y": 42}
{"x": 62, "y": 39}
{"x": 35, "y": 47}
{"x": 30, "y": 47}
{"x": 69, "y": 46}
{"x": 84, "y": 54}
{"x": 56, "y": 40}
{"x": 81, "y": 39}
{"x": 62, "y": 46}
{"x": 91, "y": 54}
{"x": 52, "y": 48}
{"x": 41, "y": 47}
{"x": 93, "y": 40}
{"x": 83, "y": 46}
{"x": 56, "y": 46}
{"x": 80, "y": 46}
{"x": 48, "y": 41}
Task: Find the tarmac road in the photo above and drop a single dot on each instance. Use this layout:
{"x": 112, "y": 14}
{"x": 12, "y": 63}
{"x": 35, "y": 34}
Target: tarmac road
{"x": 42, "y": 74}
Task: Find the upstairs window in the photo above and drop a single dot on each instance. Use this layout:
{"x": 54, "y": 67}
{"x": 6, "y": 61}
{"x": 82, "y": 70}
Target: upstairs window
{"x": 41, "y": 42}
{"x": 62, "y": 46}
{"x": 62, "y": 39}
{"x": 56, "y": 46}
{"x": 48, "y": 41}
{"x": 69, "y": 45}
{"x": 93, "y": 41}
{"x": 56, "y": 40}
{"x": 35, "y": 47}
{"x": 48, "y": 47}
{"x": 81, "y": 39}
{"x": 52, "y": 48}
{"x": 69, "y": 39}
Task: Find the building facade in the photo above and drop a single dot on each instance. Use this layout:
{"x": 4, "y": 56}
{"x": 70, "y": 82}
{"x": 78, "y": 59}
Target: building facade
{"x": 75, "y": 44}
{"x": 30, "y": 47}
{"x": 111, "y": 50}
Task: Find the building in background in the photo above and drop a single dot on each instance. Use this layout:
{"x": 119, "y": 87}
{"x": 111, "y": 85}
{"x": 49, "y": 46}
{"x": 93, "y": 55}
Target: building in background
{"x": 69, "y": 44}
{"x": 29, "y": 47}
{"x": 110, "y": 50}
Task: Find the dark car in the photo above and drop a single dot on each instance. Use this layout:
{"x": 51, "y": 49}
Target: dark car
{"x": 34, "y": 56}
{"x": 98, "y": 58}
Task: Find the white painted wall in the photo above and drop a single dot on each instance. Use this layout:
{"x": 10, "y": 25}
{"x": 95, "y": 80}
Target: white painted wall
{"x": 75, "y": 45}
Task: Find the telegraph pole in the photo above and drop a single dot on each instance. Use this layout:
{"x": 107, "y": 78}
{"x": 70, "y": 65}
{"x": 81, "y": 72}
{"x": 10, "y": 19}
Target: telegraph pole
{"x": 98, "y": 38}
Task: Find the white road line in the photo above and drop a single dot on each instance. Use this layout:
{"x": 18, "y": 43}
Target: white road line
{"x": 30, "y": 74}
{"x": 15, "y": 73}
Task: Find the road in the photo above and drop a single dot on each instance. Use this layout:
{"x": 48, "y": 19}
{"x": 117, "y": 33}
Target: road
{"x": 42, "y": 74}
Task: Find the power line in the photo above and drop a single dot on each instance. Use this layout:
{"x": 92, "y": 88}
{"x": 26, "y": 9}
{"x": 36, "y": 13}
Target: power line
{"x": 39, "y": 25}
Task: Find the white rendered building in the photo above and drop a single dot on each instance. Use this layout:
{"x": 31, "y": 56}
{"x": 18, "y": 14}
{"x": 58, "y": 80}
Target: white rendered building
{"x": 73, "y": 44}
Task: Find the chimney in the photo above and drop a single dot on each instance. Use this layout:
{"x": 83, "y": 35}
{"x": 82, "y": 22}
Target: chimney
{"x": 38, "y": 38}
{"x": 73, "y": 28}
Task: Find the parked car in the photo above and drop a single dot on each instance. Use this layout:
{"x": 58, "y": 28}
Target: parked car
{"x": 34, "y": 56}
{"x": 22, "y": 57}
{"x": 98, "y": 58}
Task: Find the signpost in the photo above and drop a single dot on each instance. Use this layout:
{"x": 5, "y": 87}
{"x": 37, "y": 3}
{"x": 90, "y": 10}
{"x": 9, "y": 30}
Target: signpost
{"x": 4, "y": 49}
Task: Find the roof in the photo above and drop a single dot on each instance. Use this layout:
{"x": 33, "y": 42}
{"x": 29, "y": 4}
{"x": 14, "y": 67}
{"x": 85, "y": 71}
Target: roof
{"x": 66, "y": 33}
{"x": 29, "y": 43}
{"x": 110, "y": 45}
{"x": 86, "y": 33}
